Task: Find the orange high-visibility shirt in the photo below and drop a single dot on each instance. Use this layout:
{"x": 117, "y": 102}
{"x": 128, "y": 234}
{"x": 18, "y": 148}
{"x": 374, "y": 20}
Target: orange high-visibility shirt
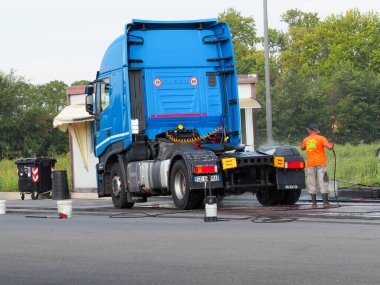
{"x": 315, "y": 150}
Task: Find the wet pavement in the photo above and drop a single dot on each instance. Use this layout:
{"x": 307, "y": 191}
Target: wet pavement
{"x": 232, "y": 207}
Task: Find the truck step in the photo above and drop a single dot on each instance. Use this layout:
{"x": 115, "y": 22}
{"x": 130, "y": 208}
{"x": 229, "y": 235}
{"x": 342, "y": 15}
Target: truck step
{"x": 219, "y": 58}
{"x": 216, "y": 41}
{"x": 131, "y": 60}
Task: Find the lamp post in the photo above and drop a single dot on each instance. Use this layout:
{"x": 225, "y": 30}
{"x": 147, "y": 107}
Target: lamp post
{"x": 268, "y": 103}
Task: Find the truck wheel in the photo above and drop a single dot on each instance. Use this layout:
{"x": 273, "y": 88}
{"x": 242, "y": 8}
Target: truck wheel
{"x": 290, "y": 197}
{"x": 118, "y": 193}
{"x": 183, "y": 198}
{"x": 267, "y": 197}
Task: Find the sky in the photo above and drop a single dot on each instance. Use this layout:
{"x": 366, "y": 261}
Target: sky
{"x": 45, "y": 40}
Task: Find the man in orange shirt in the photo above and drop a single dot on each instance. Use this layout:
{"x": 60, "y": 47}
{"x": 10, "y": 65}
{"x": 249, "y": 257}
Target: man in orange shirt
{"x": 316, "y": 173}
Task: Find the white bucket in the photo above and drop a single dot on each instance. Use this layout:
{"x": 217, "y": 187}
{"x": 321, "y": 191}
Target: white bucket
{"x": 65, "y": 208}
{"x": 333, "y": 184}
{"x": 3, "y": 208}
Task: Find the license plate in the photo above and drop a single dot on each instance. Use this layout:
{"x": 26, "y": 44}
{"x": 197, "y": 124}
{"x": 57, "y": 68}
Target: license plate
{"x": 213, "y": 178}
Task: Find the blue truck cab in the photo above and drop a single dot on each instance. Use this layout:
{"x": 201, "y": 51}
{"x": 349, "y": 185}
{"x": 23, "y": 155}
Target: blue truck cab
{"x": 167, "y": 117}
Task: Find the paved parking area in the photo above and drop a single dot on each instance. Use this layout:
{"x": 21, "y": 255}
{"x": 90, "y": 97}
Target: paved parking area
{"x": 242, "y": 206}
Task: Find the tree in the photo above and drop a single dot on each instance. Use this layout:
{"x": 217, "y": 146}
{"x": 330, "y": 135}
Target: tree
{"x": 243, "y": 32}
{"x": 51, "y": 96}
{"x": 277, "y": 40}
{"x": 80, "y": 82}
{"x": 329, "y": 75}
{"x": 353, "y": 37}
{"x": 299, "y": 19}
{"x": 39, "y": 136}
{"x": 13, "y": 90}
{"x": 243, "y": 29}
{"x": 26, "y": 114}
{"x": 353, "y": 97}
{"x": 319, "y": 46}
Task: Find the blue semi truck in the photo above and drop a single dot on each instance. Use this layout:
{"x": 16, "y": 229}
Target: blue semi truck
{"x": 167, "y": 121}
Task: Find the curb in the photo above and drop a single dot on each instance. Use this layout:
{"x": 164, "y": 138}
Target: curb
{"x": 74, "y": 195}
{"x": 359, "y": 193}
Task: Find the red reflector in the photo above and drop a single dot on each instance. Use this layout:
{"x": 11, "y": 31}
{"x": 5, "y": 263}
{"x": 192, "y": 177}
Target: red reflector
{"x": 205, "y": 169}
{"x": 295, "y": 164}
{"x": 35, "y": 175}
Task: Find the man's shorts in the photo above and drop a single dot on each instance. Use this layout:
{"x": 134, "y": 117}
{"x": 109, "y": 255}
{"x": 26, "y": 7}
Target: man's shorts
{"x": 316, "y": 178}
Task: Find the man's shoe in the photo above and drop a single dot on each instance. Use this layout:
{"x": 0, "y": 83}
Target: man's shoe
{"x": 314, "y": 201}
{"x": 325, "y": 199}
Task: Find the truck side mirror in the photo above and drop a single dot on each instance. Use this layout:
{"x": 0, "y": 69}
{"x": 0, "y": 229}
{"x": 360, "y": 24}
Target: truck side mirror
{"x": 89, "y": 90}
{"x": 90, "y": 104}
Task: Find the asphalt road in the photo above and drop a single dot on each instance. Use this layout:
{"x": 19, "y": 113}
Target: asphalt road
{"x": 182, "y": 249}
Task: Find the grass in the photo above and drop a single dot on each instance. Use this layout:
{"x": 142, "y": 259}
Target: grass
{"x": 356, "y": 164}
{"x": 8, "y": 172}
{"x": 8, "y": 175}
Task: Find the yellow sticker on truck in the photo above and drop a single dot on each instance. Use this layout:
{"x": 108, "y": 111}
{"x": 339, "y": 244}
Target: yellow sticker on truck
{"x": 279, "y": 161}
{"x": 229, "y": 163}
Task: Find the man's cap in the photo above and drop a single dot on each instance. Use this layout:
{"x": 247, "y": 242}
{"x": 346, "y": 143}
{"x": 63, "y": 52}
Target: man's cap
{"x": 313, "y": 127}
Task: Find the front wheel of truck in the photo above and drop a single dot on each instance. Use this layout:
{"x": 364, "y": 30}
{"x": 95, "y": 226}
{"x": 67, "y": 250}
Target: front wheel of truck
{"x": 183, "y": 197}
{"x": 118, "y": 193}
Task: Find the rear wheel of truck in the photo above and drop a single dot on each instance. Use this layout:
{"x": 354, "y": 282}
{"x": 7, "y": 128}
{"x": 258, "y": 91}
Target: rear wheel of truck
{"x": 183, "y": 197}
{"x": 290, "y": 197}
{"x": 118, "y": 193}
{"x": 267, "y": 197}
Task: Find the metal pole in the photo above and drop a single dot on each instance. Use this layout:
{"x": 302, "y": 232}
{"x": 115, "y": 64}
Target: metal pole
{"x": 268, "y": 103}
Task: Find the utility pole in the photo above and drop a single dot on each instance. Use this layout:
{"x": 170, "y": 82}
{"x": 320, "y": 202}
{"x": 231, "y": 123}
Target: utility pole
{"x": 268, "y": 103}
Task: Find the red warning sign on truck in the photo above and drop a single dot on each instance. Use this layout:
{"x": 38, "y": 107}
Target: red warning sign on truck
{"x": 194, "y": 81}
{"x": 157, "y": 82}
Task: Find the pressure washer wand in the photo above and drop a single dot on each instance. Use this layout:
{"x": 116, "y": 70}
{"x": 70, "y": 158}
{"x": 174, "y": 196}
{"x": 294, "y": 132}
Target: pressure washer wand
{"x": 336, "y": 195}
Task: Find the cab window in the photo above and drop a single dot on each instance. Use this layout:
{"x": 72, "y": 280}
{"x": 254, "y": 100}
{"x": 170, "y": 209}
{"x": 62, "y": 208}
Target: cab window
{"x": 103, "y": 97}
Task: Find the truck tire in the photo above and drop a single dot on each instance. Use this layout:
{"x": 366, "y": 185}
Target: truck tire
{"x": 267, "y": 197}
{"x": 290, "y": 197}
{"x": 183, "y": 198}
{"x": 118, "y": 193}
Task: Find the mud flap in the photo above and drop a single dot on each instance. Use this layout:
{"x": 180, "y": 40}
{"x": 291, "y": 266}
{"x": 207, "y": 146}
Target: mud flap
{"x": 134, "y": 198}
{"x": 290, "y": 179}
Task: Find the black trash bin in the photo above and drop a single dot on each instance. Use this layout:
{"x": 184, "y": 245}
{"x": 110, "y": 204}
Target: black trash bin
{"x": 60, "y": 189}
{"x": 35, "y": 175}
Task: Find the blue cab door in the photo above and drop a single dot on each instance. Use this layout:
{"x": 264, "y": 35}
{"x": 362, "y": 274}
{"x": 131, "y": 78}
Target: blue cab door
{"x": 103, "y": 126}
